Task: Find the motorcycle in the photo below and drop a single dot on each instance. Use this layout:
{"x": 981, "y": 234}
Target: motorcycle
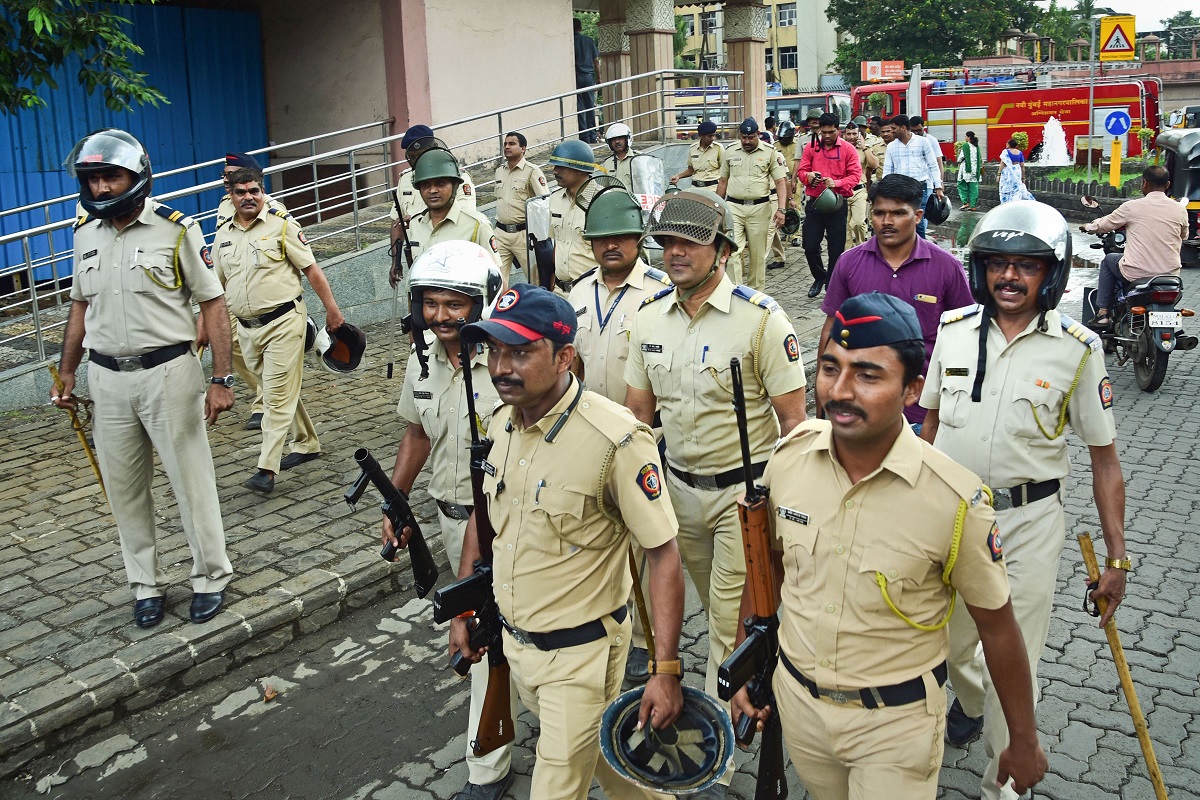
{"x": 1147, "y": 324}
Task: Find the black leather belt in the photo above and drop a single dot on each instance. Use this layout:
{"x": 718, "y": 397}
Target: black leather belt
{"x": 514, "y": 228}
{"x": 566, "y": 637}
{"x": 748, "y": 202}
{"x": 721, "y": 480}
{"x": 856, "y": 188}
{"x": 1024, "y": 494}
{"x": 900, "y": 694}
{"x": 145, "y": 361}
{"x": 702, "y": 184}
{"x": 566, "y": 286}
{"x": 270, "y": 316}
{"x": 455, "y": 511}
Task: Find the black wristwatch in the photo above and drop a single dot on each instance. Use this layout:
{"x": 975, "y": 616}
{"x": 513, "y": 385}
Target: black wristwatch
{"x": 227, "y": 381}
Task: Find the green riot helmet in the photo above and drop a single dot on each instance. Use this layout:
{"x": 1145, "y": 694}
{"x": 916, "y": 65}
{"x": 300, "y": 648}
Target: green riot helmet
{"x": 828, "y": 201}
{"x": 612, "y": 212}
{"x": 573, "y": 154}
{"x": 436, "y": 163}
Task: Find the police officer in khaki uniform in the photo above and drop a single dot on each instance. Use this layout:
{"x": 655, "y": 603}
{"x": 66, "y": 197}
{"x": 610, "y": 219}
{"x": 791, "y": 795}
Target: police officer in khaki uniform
{"x": 856, "y": 222}
{"x": 873, "y": 142}
{"x": 406, "y": 199}
{"x": 560, "y": 564}
{"x": 260, "y": 256}
{"x": 452, "y": 282}
{"x": 619, "y": 139}
{"x": 443, "y": 219}
{"x": 517, "y": 180}
{"x": 873, "y": 533}
{"x": 605, "y": 301}
{"x": 705, "y": 157}
{"x": 776, "y": 255}
{"x": 572, "y": 164}
{"x": 680, "y": 347}
{"x": 138, "y": 267}
{"x": 750, "y": 173}
{"x": 1041, "y": 371}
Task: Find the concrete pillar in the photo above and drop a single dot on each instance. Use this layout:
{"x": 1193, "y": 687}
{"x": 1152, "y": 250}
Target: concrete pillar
{"x": 745, "y": 44}
{"x": 614, "y": 60}
{"x": 650, "y": 25}
{"x": 406, "y": 66}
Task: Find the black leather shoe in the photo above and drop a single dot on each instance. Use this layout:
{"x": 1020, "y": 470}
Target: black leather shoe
{"x": 206, "y": 605}
{"x": 149, "y": 612}
{"x": 776, "y": 265}
{"x": 254, "y": 423}
{"x": 816, "y": 288}
{"x": 637, "y": 666}
{"x": 262, "y": 481}
{"x": 486, "y": 791}
{"x": 961, "y": 730}
{"x": 296, "y": 459}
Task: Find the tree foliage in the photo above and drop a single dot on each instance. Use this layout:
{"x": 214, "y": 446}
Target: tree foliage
{"x": 40, "y": 36}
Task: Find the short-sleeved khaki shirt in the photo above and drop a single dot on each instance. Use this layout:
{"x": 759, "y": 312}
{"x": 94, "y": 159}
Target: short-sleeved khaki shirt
{"x": 514, "y": 186}
{"x": 260, "y": 265}
{"x": 1025, "y": 382}
{"x": 558, "y": 561}
{"x": 137, "y": 300}
{"x": 460, "y": 224}
{"x": 751, "y": 175}
{"x": 621, "y": 168}
{"x": 837, "y": 538}
{"x": 605, "y": 317}
{"x": 406, "y": 198}
{"x": 706, "y": 163}
{"x": 685, "y": 362}
{"x": 439, "y": 405}
{"x": 878, "y": 146}
{"x": 572, "y": 253}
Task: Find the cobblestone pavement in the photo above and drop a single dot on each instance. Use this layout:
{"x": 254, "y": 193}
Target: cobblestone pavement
{"x": 75, "y": 673}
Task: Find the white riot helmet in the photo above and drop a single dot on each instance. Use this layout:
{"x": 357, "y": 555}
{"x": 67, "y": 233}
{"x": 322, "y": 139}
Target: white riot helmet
{"x": 102, "y": 150}
{"x": 456, "y": 266}
{"x": 617, "y": 130}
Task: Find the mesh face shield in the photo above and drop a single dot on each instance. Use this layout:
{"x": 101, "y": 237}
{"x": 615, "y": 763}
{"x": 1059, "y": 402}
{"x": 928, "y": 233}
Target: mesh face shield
{"x": 694, "y": 216}
{"x": 593, "y": 186}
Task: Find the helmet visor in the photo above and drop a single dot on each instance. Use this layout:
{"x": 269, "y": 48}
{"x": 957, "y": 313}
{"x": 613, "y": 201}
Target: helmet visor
{"x": 106, "y": 149}
{"x": 687, "y": 215}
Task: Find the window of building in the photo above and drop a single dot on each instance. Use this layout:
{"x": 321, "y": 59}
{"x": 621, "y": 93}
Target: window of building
{"x": 710, "y": 61}
{"x": 689, "y": 26}
{"x": 787, "y": 58}
{"x": 708, "y": 22}
{"x": 770, "y": 18}
{"x": 770, "y": 59}
{"x": 787, "y": 16}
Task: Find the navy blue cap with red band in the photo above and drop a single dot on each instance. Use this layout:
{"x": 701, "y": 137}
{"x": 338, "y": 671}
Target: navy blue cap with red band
{"x": 873, "y": 320}
{"x": 524, "y": 314}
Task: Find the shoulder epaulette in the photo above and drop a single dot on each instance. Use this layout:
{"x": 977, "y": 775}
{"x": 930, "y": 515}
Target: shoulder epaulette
{"x": 221, "y": 221}
{"x": 586, "y": 274}
{"x": 656, "y": 296}
{"x": 277, "y": 213}
{"x": 612, "y": 420}
{"x": 168, "y": 213}
{"x": 1083, "y": 334}
{"x": 756, "y": 297}
{"x": 809, "y": 427}
{"x": 80, "y": 221}
{"x": 956, "y": 314}
{"x": 961, "y": 480}
{"x": 660, "y": 276}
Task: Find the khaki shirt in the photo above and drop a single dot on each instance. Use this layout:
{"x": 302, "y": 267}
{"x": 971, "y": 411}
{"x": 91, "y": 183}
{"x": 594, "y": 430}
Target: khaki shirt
{"x": 226, "y": 210}
{"x": 878, "y": 146}
{"x": 139, "y": 298}
{"x": 438, "y": 405}
{"x": 605, "y": 317}
{"x": 685, "y": 362}
{"x": 460, "y": 224}
{"x": 621, "y": 169}
{"x": 751, "y": 175}
{"x": 406, "y": 198}
{"x": 837, "y": 537}
{"x": 1025, "y": 381}
{"x": 260, "y": 266}
{"x": 789, "y": 155}
{"x": 558, "y": 561}
{"x": 706, "y": 164}
{"x": 572, "y": 253}
{"x": 514, "y": 186}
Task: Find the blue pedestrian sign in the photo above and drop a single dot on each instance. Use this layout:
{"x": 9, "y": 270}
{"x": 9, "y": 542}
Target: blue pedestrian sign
{"x": 1117, "y": 123}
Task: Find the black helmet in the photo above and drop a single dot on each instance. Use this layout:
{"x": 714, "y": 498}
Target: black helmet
{"x": 684, "y": 758}
{"x": 791, "y": 222}
{"x": 937, "y": 209}
{"x": 105, "y": 149}
{"x": 310, "y": 334}
{"x": 787, "y": 132}
{"x": 1022, "y": 227}
{"x": 341, "y": 351}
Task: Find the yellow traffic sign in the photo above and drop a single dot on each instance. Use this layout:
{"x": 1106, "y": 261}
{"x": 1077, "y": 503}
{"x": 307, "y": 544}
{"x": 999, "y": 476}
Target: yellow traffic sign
{"x": 1117, "y": 36}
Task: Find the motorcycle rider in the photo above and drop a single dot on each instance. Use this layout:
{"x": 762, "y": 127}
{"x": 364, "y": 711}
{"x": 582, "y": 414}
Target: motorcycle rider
{"x": 1155, "y": 227}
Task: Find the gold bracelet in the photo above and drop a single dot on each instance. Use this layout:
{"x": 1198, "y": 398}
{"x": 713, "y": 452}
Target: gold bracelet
{"x": 1118, "y": 563}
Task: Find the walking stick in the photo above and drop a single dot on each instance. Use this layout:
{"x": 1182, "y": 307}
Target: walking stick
{"x": 1114, "y": 644}
{"x": 80, "y": 427}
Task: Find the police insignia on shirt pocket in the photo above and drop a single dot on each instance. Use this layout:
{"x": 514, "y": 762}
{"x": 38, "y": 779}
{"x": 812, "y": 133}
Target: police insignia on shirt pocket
{"x": 1106, "y": 393}
{"x": 957, "y": 372}
{"x": 651, "y": 348}
{"x": 649, "y": 481}
{"x": 792, "y": 347}
{"x": 792, "y": 515}
{"x": 994, "y": 544}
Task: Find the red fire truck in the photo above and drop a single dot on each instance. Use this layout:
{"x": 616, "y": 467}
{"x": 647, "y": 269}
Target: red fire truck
{"x": 995, "y": 108}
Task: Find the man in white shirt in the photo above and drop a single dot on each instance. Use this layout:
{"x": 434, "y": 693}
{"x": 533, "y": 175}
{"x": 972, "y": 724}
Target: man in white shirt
{"x": 915, "y": 157}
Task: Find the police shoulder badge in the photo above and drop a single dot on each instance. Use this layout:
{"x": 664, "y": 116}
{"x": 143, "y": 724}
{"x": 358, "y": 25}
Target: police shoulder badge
{"x": 792, "y": 347}
{"x": 206, "y": 256}
{"x": 994, "y": 544}
{"x": 1106, "y": 393}
{"x": 649, "y": 481}
{"x": 300, "y": 235}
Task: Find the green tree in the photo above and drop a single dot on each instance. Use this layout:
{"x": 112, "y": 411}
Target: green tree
{"x": 1179, "y": 32}
{"x": 933, "y": 33}
{"x": 591, "y": 24}
{"x": 40, "y": 35}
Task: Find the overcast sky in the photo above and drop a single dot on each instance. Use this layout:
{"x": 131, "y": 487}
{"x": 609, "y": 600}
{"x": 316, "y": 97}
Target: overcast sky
{"x": 1147, "y": 19}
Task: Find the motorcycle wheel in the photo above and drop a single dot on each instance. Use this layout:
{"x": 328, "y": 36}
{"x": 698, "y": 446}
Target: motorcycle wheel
{"x": 1149, "y": 363}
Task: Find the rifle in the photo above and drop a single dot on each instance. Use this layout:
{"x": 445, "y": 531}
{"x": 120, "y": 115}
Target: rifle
{"x": 399, "y": 513}
{"x": 753, "y": 663}
{"x": 394, "y": 279}
{"x": 473, "y": 595}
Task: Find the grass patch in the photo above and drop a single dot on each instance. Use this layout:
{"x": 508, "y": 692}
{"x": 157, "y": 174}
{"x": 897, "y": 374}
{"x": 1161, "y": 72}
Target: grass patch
{"x": 1080, "y": 174}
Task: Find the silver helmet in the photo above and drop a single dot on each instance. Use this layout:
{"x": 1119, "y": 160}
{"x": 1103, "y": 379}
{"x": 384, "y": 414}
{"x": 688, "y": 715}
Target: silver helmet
{"x": 102, "y": 150}
{"x": 1022, "y": 227}
{"x": 456, "y": 266}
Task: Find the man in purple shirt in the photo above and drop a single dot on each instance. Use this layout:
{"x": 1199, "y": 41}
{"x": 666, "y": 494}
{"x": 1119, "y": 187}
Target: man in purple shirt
{"x": 898, "y": 262}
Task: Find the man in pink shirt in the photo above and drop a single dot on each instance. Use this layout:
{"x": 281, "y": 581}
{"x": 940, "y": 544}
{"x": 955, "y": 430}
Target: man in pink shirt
{"x": 830, "y": 162}
{"x": 1155, "y": 227}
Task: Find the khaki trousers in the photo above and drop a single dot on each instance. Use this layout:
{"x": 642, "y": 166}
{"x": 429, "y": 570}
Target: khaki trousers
{"x": 847, "y": 752}
{"x": 856, "y": 223}
{"x": 567, "y": 690}
{"x": 512, "y": 247}
{"x": 136, "y": 414}
{"x": 751, "y": 229}
{"x": 275, "y": 352}
{"x": 1033, "y": 540}
{"x": 242, "y": 371}
{"x": 777, "y": 245}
